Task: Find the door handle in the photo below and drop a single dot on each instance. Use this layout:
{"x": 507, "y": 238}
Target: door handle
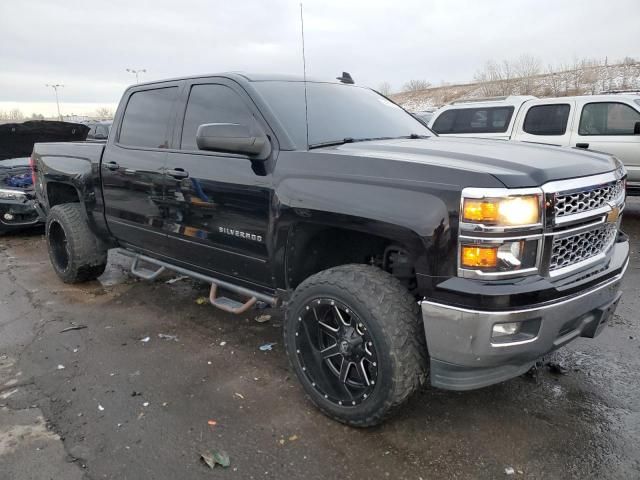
{"x": 112, "y": 166}
{"x": 582, "y": 145}
{"x": 178, "y": 173}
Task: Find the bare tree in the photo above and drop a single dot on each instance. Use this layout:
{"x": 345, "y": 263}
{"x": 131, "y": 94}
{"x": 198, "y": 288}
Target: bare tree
{"x": 628, "y": 72}
{"x": 590, "y": 75}
{"x": 554, "y": 81}
{"x": 527, "y": 68}
{"x": 496, "y": 78}
{"x": 488, "y": 77}
{"x": 16, "y": 115}
{"x": 385, "y": 88}
{"x": 104, "y": 112}
{"x": 416, "y": 85}
{"x": 36, "y": 116}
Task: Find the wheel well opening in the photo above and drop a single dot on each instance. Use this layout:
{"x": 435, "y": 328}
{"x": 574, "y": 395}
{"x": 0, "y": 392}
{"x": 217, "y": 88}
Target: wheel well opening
{"x": 60, "y": 193}
{"x": 316, "y": 248}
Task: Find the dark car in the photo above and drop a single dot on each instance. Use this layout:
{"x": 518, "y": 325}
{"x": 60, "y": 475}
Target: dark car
{"x": 99, "y": 130}
{"x": 17, "y": 206}
{"x": 398, "y": 256}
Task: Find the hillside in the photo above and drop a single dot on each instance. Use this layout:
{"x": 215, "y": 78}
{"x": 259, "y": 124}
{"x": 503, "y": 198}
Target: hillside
{"x": 578, "y": 81}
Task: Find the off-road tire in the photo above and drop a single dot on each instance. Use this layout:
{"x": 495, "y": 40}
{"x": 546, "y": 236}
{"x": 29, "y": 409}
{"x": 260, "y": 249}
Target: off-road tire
{"x": 76, "y": 254}
{"x": 392, "y": 317}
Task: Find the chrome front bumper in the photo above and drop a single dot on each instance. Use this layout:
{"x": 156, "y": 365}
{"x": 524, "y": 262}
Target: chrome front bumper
{"x": 464, "y": 356}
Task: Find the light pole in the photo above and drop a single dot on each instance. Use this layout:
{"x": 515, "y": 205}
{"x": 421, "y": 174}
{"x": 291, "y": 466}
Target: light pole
{"x": 55, "y": 87}
{"x": 136, "y": 72}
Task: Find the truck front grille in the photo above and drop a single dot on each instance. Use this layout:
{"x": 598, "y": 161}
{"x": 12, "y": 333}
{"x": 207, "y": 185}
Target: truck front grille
{"x": 588, "y": 199}
{"x": 583, "y": 246}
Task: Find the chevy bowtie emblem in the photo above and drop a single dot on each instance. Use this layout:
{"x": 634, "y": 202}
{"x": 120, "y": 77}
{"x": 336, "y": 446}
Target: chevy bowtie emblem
{"x": 613, "y": 215}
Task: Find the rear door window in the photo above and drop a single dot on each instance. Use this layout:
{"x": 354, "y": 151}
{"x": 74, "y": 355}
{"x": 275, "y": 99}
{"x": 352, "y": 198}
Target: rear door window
{"x": 608, "y": 118}
{"x": 212, "y": 103}
{"x": 547, "y": 119}
{"x": 147, "y": 118}
{"x": 474, "y": 120}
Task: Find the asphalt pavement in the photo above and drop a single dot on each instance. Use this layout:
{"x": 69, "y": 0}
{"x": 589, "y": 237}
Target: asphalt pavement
{"x": 148, "y": 379}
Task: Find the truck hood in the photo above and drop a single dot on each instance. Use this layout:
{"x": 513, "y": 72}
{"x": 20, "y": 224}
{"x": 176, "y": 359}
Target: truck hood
{"x": 515, "y": 164}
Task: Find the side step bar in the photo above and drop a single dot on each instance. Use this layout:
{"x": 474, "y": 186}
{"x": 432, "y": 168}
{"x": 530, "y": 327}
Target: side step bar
{"x": 223, "y": 303}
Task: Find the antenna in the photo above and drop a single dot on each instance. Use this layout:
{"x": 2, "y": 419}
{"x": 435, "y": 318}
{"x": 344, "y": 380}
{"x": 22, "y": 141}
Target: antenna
{"x": 304, "y": 76}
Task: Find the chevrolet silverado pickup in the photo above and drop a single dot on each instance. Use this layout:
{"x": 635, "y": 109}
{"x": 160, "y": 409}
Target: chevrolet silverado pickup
{"x": 398, "y": 256}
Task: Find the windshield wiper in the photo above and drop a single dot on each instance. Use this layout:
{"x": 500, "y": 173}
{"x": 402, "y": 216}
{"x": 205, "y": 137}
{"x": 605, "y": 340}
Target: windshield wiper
{"x": 331, "y": 143}
{"x": 334, "y": 143}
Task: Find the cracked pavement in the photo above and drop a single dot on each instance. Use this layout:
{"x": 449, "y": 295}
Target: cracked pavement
{"x": 99, "y": 403}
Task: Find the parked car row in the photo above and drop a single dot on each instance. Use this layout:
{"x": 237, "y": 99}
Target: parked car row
{"x": 606, "y": 123}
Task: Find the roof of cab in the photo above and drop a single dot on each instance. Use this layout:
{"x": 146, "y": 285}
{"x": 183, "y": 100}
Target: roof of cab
{"x": 243, "y": 77}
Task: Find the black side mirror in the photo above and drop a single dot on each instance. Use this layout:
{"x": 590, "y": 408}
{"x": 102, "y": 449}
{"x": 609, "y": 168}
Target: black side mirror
{"x": 232, "y": 138}
{"x": 636, "y": 128}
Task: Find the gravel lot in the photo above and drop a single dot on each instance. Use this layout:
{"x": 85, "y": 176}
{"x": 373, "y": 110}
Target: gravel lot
{"x": 100, "y": 403}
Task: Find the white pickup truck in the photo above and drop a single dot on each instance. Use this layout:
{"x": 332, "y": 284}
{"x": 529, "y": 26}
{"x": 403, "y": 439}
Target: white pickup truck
{"x": 607, "y": 123}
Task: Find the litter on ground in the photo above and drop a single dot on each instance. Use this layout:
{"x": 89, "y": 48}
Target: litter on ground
{"x": 73, "y": 327}
{"x": 176, "y": 279}
{"x": 263, "y": 318}
{"x": 164, "y": 336}
{"x": 211, "y": 459}
{"x": 267, "y": 346}
{"x": 145, "y": 339}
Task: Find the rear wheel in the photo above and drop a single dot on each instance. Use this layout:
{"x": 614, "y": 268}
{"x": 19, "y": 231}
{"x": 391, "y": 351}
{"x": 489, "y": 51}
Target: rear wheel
{"x": 76, "y": 254}
{"x": 355, "y": 339}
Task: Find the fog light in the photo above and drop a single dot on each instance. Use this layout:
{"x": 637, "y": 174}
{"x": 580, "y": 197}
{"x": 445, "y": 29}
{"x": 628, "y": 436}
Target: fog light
{"x": 473, "y": 256}
{"x": 505, "y": 329}
{"x": 8, "y": 217}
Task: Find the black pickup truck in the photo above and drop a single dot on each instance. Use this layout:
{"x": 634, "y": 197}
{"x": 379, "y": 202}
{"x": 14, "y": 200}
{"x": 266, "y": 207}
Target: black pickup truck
{"x": 399, "y": 256}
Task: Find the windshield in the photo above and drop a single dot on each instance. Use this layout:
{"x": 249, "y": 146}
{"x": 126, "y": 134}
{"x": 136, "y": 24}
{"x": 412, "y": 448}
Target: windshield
{"x": 337, "y": 113}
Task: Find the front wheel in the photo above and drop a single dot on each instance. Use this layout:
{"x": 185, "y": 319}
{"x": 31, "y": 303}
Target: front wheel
{"x": 355, "y": 340}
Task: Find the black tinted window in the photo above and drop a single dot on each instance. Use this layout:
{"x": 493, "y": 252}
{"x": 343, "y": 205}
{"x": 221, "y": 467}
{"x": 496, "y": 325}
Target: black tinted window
{"x": 547, "y": 119}
{"x": 336, "y": 112}
{"x": 474, "y": 120}
{"x": 212, "y": 104}
{"x": 608, "y": 118}
{"x": 147, "y": 117}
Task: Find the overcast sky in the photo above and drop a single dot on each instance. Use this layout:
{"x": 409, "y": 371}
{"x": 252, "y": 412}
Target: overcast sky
{"x": 87, "y": 45}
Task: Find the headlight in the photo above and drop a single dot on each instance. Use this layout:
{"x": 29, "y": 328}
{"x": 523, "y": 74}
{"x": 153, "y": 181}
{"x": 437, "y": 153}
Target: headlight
{"x": 498, "y": 256}
{"x": 508, "y": 212}
{"x": 500, "y": 232}
{"x": 11, "y": 194}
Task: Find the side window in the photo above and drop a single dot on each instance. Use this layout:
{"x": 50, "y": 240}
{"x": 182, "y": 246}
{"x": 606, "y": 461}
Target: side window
{"x": 147, "y": 117}
{"x": 474, "y": 120}
{"x": 212, "y": 104}
{"x": 608, "y": 118}
{"x": 444, "y": 122}
{"x": 547, "y": 119}
{"x": 102, "y": 130}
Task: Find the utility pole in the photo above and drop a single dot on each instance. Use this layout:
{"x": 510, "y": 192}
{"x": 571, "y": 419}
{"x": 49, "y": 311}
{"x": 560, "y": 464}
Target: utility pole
{"x": 55, "y": 87}
{"x": 136, "y": 72}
